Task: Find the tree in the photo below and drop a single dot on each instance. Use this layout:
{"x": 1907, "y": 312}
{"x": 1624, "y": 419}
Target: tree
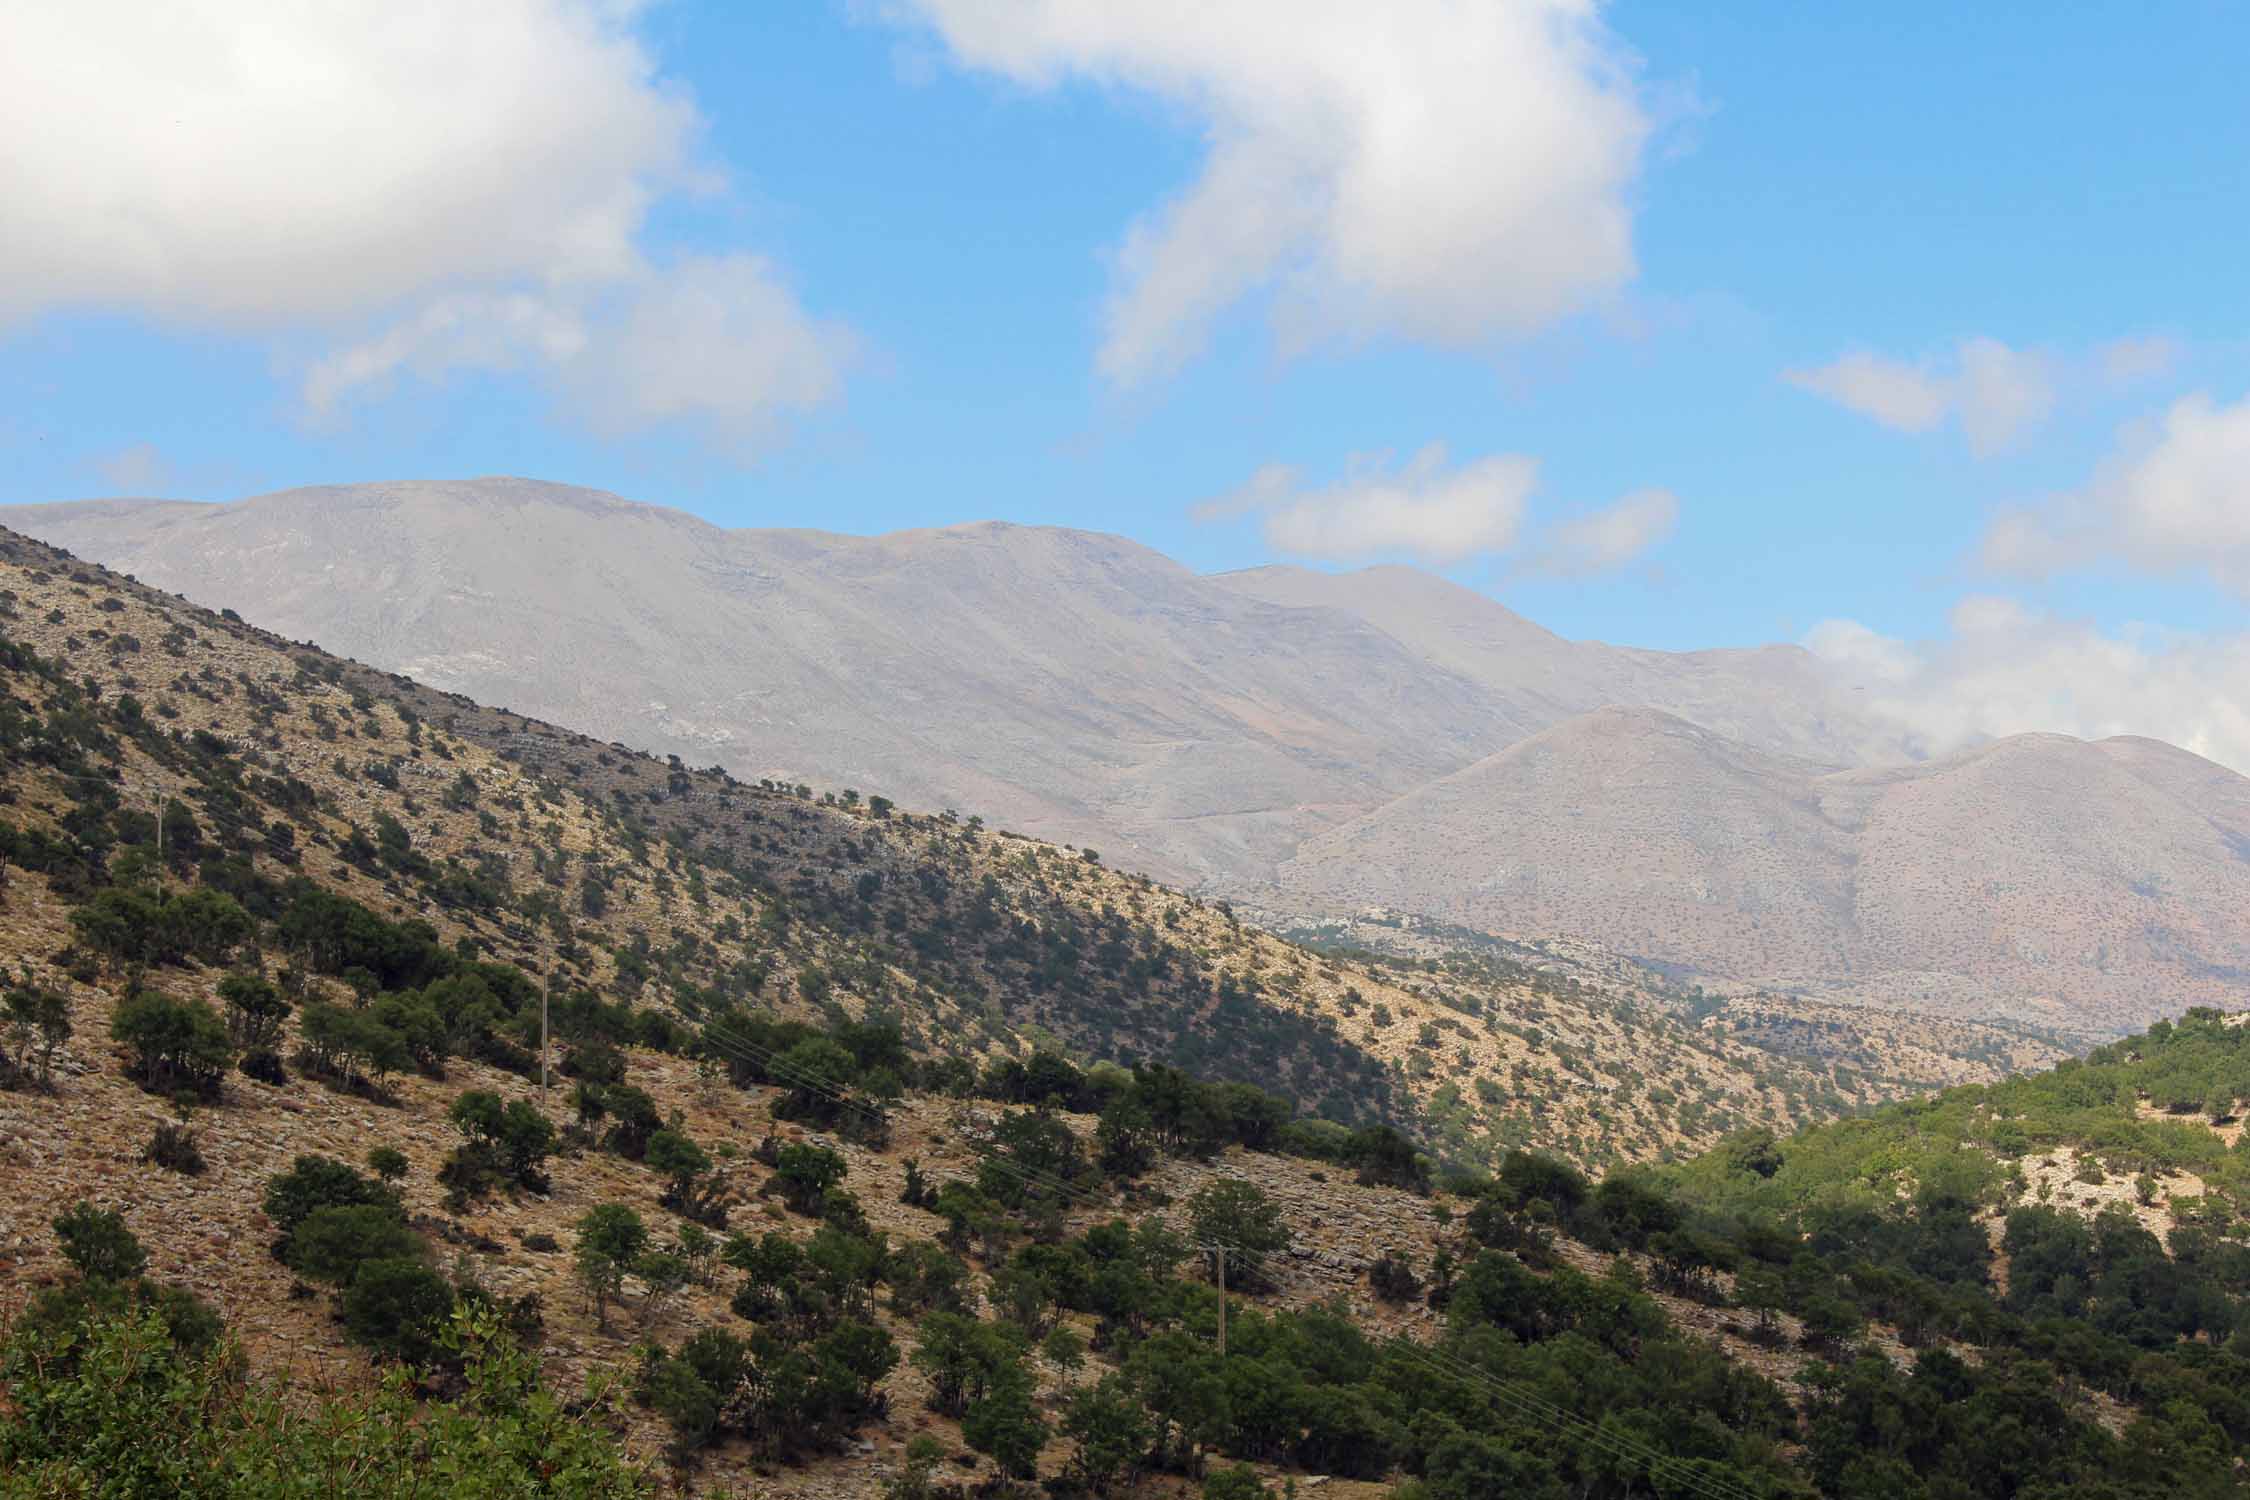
{"x": 175, "y": 1043}
{"x": 1240, "y": 1217}
{"x": 611, "y": 1240}
{"x": 1111, "y": 1430}
{"x": 98, "y": 1245}
{"x": 501, "y": 1144}
{"x": 965, "y": 1358}
{"x": 1387, "y": 1158}
{"x": 343, "y": 1043}
{"x": 805, "y": 1174}
{"x": 388, "y": 1163}
{"x": 37, "y": 1023}
{"x": 1006, "y": 1427}
{"x": 683, "y": 1164}
{"x": 1182, "y": 1383}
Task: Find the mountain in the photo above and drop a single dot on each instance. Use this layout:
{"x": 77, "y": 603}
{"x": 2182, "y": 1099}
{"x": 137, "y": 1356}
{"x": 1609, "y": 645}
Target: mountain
{"x": 2039, "y": 877}
{"x": 1074, "y": 686}
{"x": 840, "y": 1189}
{"x": 1306, "y": 742}
{"x": 1776, "y": 698}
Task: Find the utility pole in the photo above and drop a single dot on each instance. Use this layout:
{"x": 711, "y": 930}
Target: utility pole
{"x": 1222, "y": 1255}
{"x": 156, "y": 801}
{"x": 542, "y": 1050}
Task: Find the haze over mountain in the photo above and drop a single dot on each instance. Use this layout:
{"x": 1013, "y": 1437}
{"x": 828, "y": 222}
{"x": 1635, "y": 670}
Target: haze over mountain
{"x": 2040, "y": 877}
{"x": 1315, "y": 740}
{"x": 1072, "y": 685}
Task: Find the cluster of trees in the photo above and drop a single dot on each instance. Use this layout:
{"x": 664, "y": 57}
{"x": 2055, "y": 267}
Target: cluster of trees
{"x": 116, "y": 1402}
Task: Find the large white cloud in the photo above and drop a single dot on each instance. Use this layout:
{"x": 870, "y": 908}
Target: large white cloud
{"x": 1995, "y": 392}
{"x": 715, "y": 343}
{"x": 1426, "y": 508}
{"x": 2005, "y": 668}
{"x": 1455, "y": 171}
{"x": 1440, "y": 513}
{"x": 2173, "y": 498}
{"x": 1608, "y": 538}
{"x": 427, "y": 185}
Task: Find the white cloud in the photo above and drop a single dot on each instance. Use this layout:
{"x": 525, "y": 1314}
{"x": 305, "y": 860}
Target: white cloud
{"x": 1439, "y": 513}
{"x": 2174, "y": 498}
{"x": 1898, "y": 396}
{"x": 1456, "y": 173}
{"x": 1424, "y": 509}
{"x": 428, "y": 186}
{"x": 1611, "y": 537}
{"x": 136, "y": 469}
{"x": 2007, "y": 669}
{"x": 716, "y": 343}
{"x": 2129, "y": 361}
{"x": 250, "y": 161}
{"x": 2000, "y": 393}
{"x": 1997, "y": 393}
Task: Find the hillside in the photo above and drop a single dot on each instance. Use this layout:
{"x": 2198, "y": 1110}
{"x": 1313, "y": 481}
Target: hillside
{"x": 281, "y": 932}
{"x": 2082, "y": 887}
{"x": 1073, "y": 686}
{"x": 1311, "y": 743}
{"x": 612, "y": 873}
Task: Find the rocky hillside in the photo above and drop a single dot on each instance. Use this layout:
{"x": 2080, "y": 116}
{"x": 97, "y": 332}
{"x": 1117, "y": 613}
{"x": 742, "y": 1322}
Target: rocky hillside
{"x": 830, "y": 1190}
{"x": 615, "y": 874}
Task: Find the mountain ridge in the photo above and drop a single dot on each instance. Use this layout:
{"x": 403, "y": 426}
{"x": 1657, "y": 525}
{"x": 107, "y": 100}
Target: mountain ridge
{"x": 1236, "y": 732}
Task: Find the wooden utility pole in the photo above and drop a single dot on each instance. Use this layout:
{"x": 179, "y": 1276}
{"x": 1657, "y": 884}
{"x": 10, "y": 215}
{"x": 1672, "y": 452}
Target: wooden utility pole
{"x": 543, "y": 1049}
{"x": 1222, "y": 1254}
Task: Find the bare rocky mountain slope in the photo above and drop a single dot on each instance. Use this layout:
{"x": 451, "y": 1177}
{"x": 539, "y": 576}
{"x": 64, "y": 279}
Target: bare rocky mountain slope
{"x": 1309, "y": 742}
{"x": 1070, "y": 685}
{"x": 2040, "y": 877}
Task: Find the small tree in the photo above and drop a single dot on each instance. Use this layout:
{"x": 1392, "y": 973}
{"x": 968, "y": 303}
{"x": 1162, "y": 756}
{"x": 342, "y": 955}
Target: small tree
{"x": 1112, "y": 1432}
{"x": 501, "y": 1144}
{"x": 1240, "y": 1482}
{"x": 805, "y": 1174}
{"x": 611, "y": 1241}
{"x": 683, "y": 1164}
{"x": 333, "y": 1243}
{"x": 316, "y": 1182}
{"x": 98, "y": 1245}
{"x": 388, "y": 1163}
{"x": 175, "y": 1043}
{"x": 1006, "y": 1427}
{"x": 1243, "y": 1219}
{"x": 36, "y": 1024}
{"x": 398, "y": 1308}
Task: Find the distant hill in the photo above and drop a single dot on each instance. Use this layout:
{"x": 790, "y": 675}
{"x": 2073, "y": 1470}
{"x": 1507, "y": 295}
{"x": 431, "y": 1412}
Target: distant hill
{"x": 2041, "y": 877}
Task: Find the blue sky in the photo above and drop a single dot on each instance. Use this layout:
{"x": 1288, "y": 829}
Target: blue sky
{"x": 918, "y": 219}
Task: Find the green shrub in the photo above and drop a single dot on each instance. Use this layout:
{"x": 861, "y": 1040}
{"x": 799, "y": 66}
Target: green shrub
{"x": 398, "y": 1308}
{"x": 98, "y": 1245}
{"x": 174, "y": 1148}
{"x": 332, "y": 1243}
